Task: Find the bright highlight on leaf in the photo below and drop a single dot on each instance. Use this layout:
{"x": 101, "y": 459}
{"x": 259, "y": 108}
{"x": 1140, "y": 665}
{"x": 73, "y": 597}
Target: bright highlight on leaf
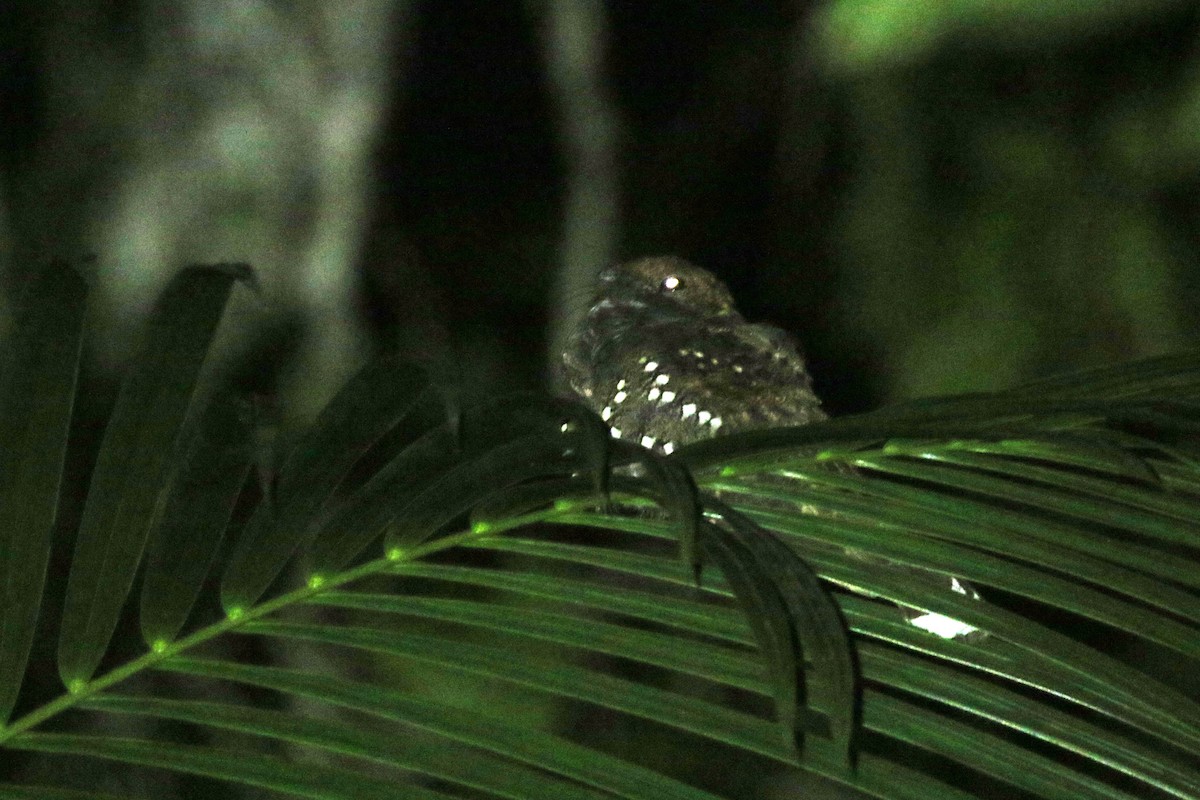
{"x": 942, "y": 626}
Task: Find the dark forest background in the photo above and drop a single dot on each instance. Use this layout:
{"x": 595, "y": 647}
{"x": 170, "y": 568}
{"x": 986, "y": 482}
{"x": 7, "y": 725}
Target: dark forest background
{"x": 935, "y": 197}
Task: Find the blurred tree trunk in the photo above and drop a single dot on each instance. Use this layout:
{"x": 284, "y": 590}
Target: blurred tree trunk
{"x": 204, "y": 132}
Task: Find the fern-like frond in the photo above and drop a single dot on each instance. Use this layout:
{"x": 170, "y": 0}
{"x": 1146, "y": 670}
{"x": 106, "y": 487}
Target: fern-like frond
{"x": 498, "y": 603}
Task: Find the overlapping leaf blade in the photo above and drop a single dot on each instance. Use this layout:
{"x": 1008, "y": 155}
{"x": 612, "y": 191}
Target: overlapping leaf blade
{"x": 1012, "y": 491}
{"x": 372, "y": 403}
{"x": 38, "y": 394}
{"x": 801, "y": 633}
{"x": 442, "y": 759}
{"x": 452, "y": 469}
{"x": 316, "y": 781}
{"x": 469, "y": 727}
{"x": 135, "y": 459}
{"x": 209, "y": 475}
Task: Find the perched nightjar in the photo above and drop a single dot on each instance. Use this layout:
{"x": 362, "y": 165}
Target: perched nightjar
{"x": 665, "y": 359}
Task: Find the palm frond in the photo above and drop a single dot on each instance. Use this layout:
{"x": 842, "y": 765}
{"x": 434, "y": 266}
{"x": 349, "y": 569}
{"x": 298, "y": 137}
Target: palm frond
{"x": 736, "y": 603}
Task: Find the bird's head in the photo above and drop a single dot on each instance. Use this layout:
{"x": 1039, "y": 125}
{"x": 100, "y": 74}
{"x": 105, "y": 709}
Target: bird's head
{"x": 663, "y": 285}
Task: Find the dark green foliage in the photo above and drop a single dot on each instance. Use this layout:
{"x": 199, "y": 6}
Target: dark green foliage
{"x": 40, "y": 366}
{"x": 374, "y": 402}
{"x": 135, "y": 461}
{"x": 486, "y": 573}
{"x": 210, "y": 472}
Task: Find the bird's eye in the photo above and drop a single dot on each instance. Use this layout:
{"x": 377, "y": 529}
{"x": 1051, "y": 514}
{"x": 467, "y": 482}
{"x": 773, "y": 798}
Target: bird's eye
{"x": 671, "y": 283}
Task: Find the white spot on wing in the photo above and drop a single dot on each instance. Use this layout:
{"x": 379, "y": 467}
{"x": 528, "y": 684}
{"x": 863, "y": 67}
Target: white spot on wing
{"x": 653, "y": 394}
{"x": 620, "y": 384}
{"x": 651, "y": 366}
{"x": 688, "y": 409}
{"x": 716, "y": 423}
{"x": 667, "y": 397}
{"x": 616, "y": 433}
{"x": 668, "y": 447}
{"x": 648, "y": 441}
{"x": 619, "y": 397}
{"x": 606, "y": 414}
{"x": 703, "y": 417}
{"x": 662, "y": 380}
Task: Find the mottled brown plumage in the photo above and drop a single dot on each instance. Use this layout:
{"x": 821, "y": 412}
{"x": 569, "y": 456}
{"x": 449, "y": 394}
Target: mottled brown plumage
{"x": 666, "y": 359}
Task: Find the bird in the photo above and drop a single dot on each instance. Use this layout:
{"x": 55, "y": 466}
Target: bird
{"x": 665, "y": 359}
